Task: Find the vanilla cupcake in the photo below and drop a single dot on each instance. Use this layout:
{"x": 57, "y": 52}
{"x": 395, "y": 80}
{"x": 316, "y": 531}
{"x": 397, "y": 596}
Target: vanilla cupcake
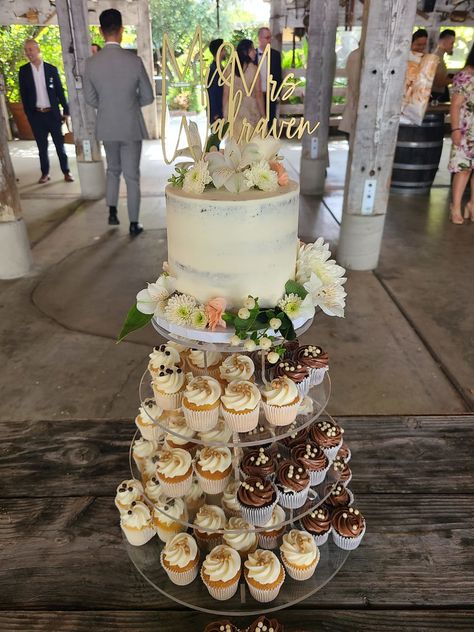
{"x": 201, "y": 403}
{"x": 241, "y": 536}
{"x": 137, "y": 525}
{"x": 273, "y": 529}
{"x": 153, "y": 490}
{"x": 180, "y": 435}
{"x": 237, "y": 367}
{"x": 299, "y": 554}
{"x": 168, "y": 387}
{"x": 174, "y": 470}
{"x": 128, "y": 492}
{"x": 213, "y": 469}
{"x": 220, "y": 572}
{"x": 280, "y": 400}
{"x": 163, "y": 357}
{"x": 264, "y": 575}
{"x": 204, "y": 362}
{"x": 208, "y": 520}
{"x": 148, "y": 415}
{"x": 229, "y": 501}
{"x": 194, "y": 500}
{"x": 241, "y": 405}
{"x": 220, "y": 434}
{"x": 144, "y": 453}
{"x": 167, "y": 517}
{"x": 180, "y": 559}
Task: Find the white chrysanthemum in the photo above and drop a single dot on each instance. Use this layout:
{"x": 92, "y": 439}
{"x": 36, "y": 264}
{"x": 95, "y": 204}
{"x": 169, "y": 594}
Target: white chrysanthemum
{"x": 261, "y": 176}
{"x": 330, "y": 298}
{"x": 296, "y": 307}
{"x": 314, "y": 258}
{"x": 152, "y": 299}
{"x": 180, "y": 308}
{"x": 196, "y": 178}
{"x": 199, "y": 318}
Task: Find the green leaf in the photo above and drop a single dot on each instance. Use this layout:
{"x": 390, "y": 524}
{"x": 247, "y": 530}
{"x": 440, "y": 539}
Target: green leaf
{"x": 214, "y": 140}
{"x": 135, "y": 320}
{"x": 229, "y": 318}
{"x": 292, "y": 287}
{"x": 287, "y": 330}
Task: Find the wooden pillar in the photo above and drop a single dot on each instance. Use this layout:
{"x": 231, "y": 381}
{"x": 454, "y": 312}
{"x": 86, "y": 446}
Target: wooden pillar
{"x": 276, "y": 10}
{"x": 73, "y": 23}
{"x": 145, "y": 51}
{"x": 385, "y": 45}
{"x": 4, "y": 119}
{"x": 323, "y": 15}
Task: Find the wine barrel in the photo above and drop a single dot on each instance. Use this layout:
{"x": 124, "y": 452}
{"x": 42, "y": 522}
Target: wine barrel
{"x": 417, "y": 155}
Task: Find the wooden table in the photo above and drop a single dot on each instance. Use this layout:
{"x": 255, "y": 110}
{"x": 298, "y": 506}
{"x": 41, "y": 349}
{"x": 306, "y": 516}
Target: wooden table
{"x": 64, "y": 567}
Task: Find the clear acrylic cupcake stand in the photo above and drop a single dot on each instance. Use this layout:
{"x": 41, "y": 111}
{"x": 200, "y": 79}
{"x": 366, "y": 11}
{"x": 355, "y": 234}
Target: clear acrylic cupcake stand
{"x": 146, "y": 558}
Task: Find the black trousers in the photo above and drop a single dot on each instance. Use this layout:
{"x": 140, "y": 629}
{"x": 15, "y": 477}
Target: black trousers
{"x": 43, "y": 124}
{"x": 273, "y": 107}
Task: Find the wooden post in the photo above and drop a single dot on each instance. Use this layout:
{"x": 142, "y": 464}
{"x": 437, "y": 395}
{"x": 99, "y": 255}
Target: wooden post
{"x": 275, "y": 24}
{"x": 3, "y": 109}
{"x": 323, "y": 16}
{"x": 145, "y": 51}
{"x": 385, "y": 45}
{"x": 76, "y": 46}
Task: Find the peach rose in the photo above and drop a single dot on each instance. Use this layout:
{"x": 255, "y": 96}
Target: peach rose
{"x": 280, "y": 170}
{"x": 214, "y": 310}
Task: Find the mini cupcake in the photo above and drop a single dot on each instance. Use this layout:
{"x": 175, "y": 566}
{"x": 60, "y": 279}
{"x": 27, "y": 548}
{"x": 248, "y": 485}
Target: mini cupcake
{"x": 292, "y": 481}
{"x": 174, "y": 470}
{"x": 263, "y": 623}
{"x": 201, "y": 403}
{"x": 143, "y": 452}
{"x": 313, "y": 460}
{"x": 180, "y": 434}
{"x": 136, "y": 524}
{"x": 342, "y": 470}
{"x": 168, "y": 387}
{"x": 241, "y": 405}
{"x": 338, "y": 496}
{"x": 262, "y": 434}
{"x": 273, "y": 529}
{"x": 220, "y": 434}
{"x": 299, "y": 554}
{"x": 208, "y": 520}
{"x": 344, "y": 453}
{"x": 128, "y": 492}
{"x": 264, "y": 575}
{"x": 163, "y": 357}
{"x": 348, "y": 528}
{"x": 168, "y": 515}
{"x": 194, "y": 500}
{"x": 318, "y": 524}
{"x": 240, "y": 536}
{"x": 180, "y": 559}
{"x": 148, "y": 415}
{"x": 315, "y": 359}
{"x": 257, "y": 497}
{"x": 153, "y": 489}
{"x": 328, "y": 435}
{"x": 213, "y": 469}
{"x": 258, "y": 463}
{"x": 229, "y": 501}
{"x": 223, "y": 625}
{"x": 204, "y": 362}
{"x": 295, "y": 438}
{"x": 280, "y": 400}
{"x": 221, "y": 571}
{"x": 297, "y": 373}
{"x": 237, "y": 367}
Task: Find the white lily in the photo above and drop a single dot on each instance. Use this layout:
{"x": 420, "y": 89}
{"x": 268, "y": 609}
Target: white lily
{"x": 224, "y": 168}
{"x": 330, "y": 298}
{"x": 151, "y": 299}
{"x": 260, "y": 149}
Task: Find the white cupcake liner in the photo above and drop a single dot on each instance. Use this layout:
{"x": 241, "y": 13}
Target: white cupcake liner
{"x": 213, "y": 486}
{"x": 168, "y": 401}
{"x": 221, "y": 594}
{"x": 181, "y": 578}
{"x": 166, "y": 535}
{"x": 317, "y": 476}
{"x": 258, "y": 516}
{"x": 201, "y": 420}
{"x": 138, "y": 537}
{"x": 331, "y": 452}
{"x": 348, "y": 544}
{"x": 293, "y": 501}
{"x": 265, "y": 595}
{"x": 318, "y": 539}
{"x": 268, "y": 542}
{"x": 304, "y": 386}
{"x": 241, "y": 423}
{"x": 300, "y": 574}
{"x": 150, "y": 432}
{"x": 316, "y": 376}
{"x": 176, "y": 490}
{"x": 281, "y": 415}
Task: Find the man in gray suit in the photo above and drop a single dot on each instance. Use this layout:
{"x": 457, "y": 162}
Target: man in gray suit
{"x": 117, "y": 85}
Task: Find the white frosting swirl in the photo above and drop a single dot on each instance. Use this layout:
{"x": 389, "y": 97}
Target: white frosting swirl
{"x": 280, "y": 392}
{"x": 195, "y": 494}
{"x": 278, "y": 516}
{"x": 243, "y": 537}
{"x": 263, "y": 566}
{"x": 215, "y": 459}
{"x": 210, "y": 517}
{"x": 153, "y": 490}
{"x": 137, "y": 517}
{"x": 174, "y": 508}
{"x": 222, "y": 564}
{"x": 219, "y": 434}
{"x": 202, "y": 391}
{"x": 179, "y": 425}
{"x": 180, "y": 550}
{"x": 229, "y": 497}
{"x": 175, "y": 462}
{"x": 237, "y": 367}
{"x": 149, "y": 412}
{"x": 198, "y": 358}
{"x": 299, "y": 548}
{"x": 241, "y": 395}
{"x": 163, "y": 356}
{"x": 129, "y": 491}
{"x": 144, "y": 449}
{"x": 170, "y": 380}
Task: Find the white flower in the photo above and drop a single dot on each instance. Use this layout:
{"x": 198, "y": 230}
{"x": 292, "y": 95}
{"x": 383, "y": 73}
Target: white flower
{"x": 261, "y": 176}
{"x": 249, "y": 345}
{"x": 295, "y": 307}
{"x": 235, "y": 340}
{"x": 330, "y": 298}
{"x": 180, "y": 308}
{"x": 199, "y": 317}
{"x": 249, "y": 302}
{"x": 196, "y": 178}
{"x": 273, "y": 357}
{"x": 275, "y": 323}
{"x": 260, "y": 149}
{"x": 243, "y": 313}
{"x": 226, "y": 168}
{"x": 151, "y": 300}
{"x": 315, "y": 258}
{"x": 265, "y": 343}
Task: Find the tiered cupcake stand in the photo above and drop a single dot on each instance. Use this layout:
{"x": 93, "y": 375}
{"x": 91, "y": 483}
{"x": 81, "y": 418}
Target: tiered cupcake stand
{"x": 146, "y": 558}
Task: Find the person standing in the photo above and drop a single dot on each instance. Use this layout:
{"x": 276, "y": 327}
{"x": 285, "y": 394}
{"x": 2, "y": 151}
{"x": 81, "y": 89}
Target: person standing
{"x": 41, "y": 93}
{"x": 215, "y": 91}
{"x": 265, "y": 38}
{"x": 349, "y": 114}
{"x": 419, "y": 41}
{"x": 442, "y": 79}
{"x": 117, "y": 85}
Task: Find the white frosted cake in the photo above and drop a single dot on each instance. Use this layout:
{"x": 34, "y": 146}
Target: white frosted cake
{"x": 233, "y": 244}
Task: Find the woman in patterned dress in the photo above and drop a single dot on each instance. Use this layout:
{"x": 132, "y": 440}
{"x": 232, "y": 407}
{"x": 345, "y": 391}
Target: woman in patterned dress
{"x": 461, "y": 162}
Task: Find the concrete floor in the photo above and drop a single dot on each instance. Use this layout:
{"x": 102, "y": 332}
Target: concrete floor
{"x": 405, "y": 346}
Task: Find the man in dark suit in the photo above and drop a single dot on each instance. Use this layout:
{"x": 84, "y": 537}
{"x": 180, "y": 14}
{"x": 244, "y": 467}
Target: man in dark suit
{"x": 264, "y": 38}
{"x": 41, "y": 93}
{"x": 214, "y": 90}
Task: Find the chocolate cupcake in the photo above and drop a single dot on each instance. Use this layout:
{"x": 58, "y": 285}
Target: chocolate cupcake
{"x": 264, "y": 624}
{"x": 313, "y": 459}
{"x": 343, "y": 471}
{"x": 291, "y": 347}
{"x": 338, "y": 496}
{"x": 328, "y": 435}
{"x": 315, "y": 359}
{"x": 344, "y": 452}
{"x": 257, "y": 462}
{"x": 293, "y": 482}
{"x": 318, "y": 524}
{"x": 348, "y": 528}
{"x": 296, "y": 372}
{"x": 257, "y": 497}
{"x": 223, "y": 625}
{"x": 296, "y": 438}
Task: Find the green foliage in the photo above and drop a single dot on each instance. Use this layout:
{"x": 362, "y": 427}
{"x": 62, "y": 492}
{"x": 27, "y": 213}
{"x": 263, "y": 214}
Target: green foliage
{"x": 292, "y": 287}
{"x": 178, "y": 180}
{"x": 184, "y": 98}
{"x": 135, "y": 320}
{"x": 299, "y": 60}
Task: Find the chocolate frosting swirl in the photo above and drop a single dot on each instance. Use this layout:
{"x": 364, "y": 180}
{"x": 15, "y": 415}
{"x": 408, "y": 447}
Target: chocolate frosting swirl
{"x": 293, "y": 370}
{"x": 338, "y": 497}
{"x": 256, "y": 492}
{"x": 292, "y": 476}
{"x": 318, "y": 521}
{"x": 348, "y": 522}
{"x": 263, "y": 623}
{"x": 299, "y": 436}
{"x": 224, "y": 625}
{"x": 326, "y": 434}
{"x": 342, "y": 469}
{"x": 257, "y": 463}
{"x": 312, "y": 356}
{"x": 344, "y": 453}
{"x": 291, "y": 347}
{"x": 310, "y": 455}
